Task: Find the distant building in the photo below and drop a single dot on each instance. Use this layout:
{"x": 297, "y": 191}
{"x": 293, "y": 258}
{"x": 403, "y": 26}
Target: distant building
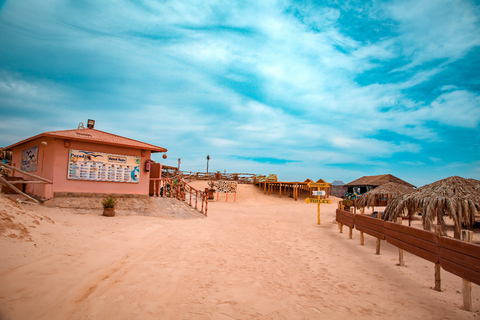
{"x": 84, "y": 161}
{"x": 367, "y": 183}
{"x": 338, "y": 189}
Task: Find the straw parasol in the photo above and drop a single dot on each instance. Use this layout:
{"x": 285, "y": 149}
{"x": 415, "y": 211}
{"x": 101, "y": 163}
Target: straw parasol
{"x": 389, "y": 190}
{"x": 454, "y": 197}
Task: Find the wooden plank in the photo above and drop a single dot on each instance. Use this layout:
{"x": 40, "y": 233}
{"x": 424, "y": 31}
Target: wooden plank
{"x": 460, "y": 258}
{"x": 369, "y": 231}
{"x": 345, "y": 218}
{"x": 371, "y": 220}
{"x": 413, "y": 241}
{"x": 460, "y": 246}
{"x": 24, "y": 182}
{"x": 465, "y": 273}
{"x": 414, "y": 232}
{"x": 372, "y": 226}
{"x": 419, "y": 252}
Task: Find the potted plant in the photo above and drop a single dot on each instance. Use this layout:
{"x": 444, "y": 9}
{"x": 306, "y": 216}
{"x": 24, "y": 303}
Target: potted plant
{"x": 109, "y": 204}
{"x": 347, "y": 204}
{"x": 211, "y": 190}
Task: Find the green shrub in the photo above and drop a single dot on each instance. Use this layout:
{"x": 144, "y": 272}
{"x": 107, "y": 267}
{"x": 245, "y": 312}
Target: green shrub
{"x": 109, "y": 202}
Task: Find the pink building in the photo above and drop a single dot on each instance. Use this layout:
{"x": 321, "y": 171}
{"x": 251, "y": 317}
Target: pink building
{"x": 84, "y": 161}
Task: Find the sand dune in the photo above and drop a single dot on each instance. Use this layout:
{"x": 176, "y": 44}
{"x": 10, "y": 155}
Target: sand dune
{"x": 260, "y": 257}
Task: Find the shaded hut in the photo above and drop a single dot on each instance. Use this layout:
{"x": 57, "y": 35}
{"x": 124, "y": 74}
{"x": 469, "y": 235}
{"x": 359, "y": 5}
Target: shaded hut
{"x": 388, "y": 191}
{"x": 453, "y": 197}
{"x": 338, "y": 189}
{"x": 366, "y": 183}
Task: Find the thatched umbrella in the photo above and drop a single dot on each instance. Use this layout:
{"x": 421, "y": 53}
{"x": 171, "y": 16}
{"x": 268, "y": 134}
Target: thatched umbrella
{"x": 389, "y": 190}
{"x": 454, "y": 197}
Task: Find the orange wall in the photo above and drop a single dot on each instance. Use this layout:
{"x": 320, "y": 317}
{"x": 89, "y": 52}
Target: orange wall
{"x": 53, "y": 165}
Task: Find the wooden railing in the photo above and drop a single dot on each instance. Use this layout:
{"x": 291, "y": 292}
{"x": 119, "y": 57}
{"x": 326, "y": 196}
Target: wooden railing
{"x": 181, "y": 190}
{"x": 458, "y": 257}
{"x": 10, "y": 184}
{"x": 245, "y": 178}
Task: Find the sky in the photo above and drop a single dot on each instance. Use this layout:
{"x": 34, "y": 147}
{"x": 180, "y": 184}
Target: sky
{"x": 303, "y": 89}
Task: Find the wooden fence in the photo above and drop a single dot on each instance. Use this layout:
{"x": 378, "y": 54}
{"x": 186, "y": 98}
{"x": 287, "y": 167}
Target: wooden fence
{"x": 458, "y": 257}
{"x": 181, "y": 190}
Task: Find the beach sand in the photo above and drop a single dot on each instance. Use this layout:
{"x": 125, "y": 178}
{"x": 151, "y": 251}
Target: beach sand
{"x": 260, "y": 257}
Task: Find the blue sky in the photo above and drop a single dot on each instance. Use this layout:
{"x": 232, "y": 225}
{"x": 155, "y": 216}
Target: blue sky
{"x": 304, "y": 89}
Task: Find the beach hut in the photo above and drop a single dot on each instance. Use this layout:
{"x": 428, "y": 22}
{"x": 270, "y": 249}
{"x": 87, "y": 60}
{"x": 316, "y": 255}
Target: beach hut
{"x": 83, "y": 161}
{"x": 453, "y": 197}
{"x": 338, "y": 188}
{"x": 366, "y": 183}
{"x": 388, "y": 191}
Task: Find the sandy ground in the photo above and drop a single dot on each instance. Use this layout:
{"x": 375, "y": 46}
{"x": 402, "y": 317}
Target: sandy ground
{"x": 260, "y": 257}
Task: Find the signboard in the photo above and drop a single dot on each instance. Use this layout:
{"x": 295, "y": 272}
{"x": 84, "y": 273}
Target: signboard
{"x": 311, "y": 200}
{"x": 318, "y": 193}
{"x": 99, "y": 166}
{"x": 29, "y": 159}
{"x": 226, "y": 186}
{"x": 318, "y": 185}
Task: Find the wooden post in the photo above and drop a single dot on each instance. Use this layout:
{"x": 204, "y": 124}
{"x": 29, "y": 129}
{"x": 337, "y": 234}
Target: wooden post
{"x": 400, "y": 251}
{"x": 379, "y": 216}
{"x": 280, "y": 191}
{"x": 438, "y": 279}
{"x": 318, "y": 213}
{"x": 350, "y": 233}
{"x": 467, "y": 236}
{"x": 341, "y": 228}
{"x": 196, "y": 197}
{"x": 362, "y": 239}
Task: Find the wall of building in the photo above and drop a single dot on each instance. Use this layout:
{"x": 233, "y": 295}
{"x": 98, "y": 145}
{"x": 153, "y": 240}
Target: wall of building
{"x": 53, "y": 165}
{"x": 45, "y": 168}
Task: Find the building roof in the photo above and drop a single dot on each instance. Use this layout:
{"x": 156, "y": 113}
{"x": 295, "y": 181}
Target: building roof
{"x": 377, "y": 181}
{"x": 94, "y": 136}
{"x": 338, "y": 183}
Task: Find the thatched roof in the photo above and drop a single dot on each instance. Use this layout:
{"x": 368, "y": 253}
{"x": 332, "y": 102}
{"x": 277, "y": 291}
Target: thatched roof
{"x": 454, "y": 197}
{"x": 389, "y": 190}
{"x": 377, "y": 181}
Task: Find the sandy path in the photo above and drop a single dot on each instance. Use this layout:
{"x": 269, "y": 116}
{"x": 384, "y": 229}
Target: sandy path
{"x": 258, "y": 258}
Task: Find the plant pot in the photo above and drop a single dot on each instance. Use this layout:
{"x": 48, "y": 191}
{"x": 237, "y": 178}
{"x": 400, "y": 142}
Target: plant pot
{"x": 109, "y": 212}
{"x": 211, "y": 194}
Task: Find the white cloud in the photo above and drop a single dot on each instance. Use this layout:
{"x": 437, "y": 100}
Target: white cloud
{"x": 458, "y": 108}
{"x": 435, "y": 29}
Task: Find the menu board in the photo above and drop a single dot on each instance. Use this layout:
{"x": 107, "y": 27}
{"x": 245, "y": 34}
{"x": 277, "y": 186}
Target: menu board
{"x": 99, "y": 166}
{"x": 227, "y": 186}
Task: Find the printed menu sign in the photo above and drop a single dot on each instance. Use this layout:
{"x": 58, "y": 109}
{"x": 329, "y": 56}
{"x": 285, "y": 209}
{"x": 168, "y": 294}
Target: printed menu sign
{"x": 99, "y": 166}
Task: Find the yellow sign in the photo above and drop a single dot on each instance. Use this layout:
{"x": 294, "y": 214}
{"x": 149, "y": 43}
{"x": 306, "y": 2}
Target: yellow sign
{"x": 311, "y": 200}
{"x": 318, "y": 185}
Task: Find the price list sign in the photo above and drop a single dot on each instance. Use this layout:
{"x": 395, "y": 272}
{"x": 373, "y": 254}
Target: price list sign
{"x": 99, "y": 166}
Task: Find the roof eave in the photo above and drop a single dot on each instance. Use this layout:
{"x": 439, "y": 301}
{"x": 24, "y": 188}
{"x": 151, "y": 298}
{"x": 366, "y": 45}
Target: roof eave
{"x": 151, "y": 148}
